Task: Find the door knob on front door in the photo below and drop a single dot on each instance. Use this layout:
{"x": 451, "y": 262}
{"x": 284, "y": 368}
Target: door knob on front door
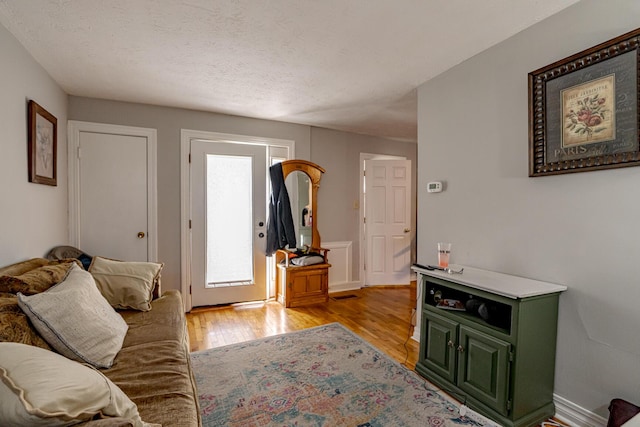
{"x": 140, "y": 234}
{"x": 406, "y": 230}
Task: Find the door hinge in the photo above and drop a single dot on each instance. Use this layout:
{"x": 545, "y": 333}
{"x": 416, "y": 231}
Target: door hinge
{"x": 189, "y": 289}
{"x": 365, "y": 219}
{"x": 511, "y": 356}
{"x": 189, "y": 157}
{"x": 509, "y": 404}
{"x": 78, "y": 152}
{"x": 189, "y": 224}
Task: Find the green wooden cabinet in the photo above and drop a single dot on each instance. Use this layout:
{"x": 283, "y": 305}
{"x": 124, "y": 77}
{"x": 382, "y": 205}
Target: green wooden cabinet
{"x": 499, "y": 359}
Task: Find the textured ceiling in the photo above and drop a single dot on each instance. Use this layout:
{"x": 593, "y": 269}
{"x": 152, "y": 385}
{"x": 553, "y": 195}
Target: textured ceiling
{"x": 350, "y": 65}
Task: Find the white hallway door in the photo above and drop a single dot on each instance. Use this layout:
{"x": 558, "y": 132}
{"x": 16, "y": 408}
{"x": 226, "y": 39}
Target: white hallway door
{"x": 387, "y": 222}
{"x": 228, "y": 231}
{"x": 112, "y": 190}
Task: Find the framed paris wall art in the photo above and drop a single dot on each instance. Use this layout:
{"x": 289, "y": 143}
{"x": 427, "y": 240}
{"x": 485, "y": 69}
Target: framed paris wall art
{"x": 583, "y": 110}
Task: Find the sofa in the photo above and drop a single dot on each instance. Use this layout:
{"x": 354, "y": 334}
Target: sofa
{"x": 149, "y": 380}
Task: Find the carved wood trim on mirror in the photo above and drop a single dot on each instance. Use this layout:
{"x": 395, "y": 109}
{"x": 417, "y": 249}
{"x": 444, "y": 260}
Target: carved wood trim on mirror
{"x": 308, "y": 284}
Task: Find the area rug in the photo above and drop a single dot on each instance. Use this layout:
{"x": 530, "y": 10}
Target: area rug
{"x": 323, "y": 376}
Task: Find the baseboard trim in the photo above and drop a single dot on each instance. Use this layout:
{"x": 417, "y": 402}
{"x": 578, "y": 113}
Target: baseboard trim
{"x": 346, "y": 286}
{"x": 574, "y": 415}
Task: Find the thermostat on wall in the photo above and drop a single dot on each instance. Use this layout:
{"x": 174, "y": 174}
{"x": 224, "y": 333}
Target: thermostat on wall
{"x": 434, "y": 187}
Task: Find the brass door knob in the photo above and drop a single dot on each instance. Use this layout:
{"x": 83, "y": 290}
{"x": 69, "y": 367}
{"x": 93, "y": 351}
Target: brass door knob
{"x": 406, "y": 230}
{"x": 141, "y": 235}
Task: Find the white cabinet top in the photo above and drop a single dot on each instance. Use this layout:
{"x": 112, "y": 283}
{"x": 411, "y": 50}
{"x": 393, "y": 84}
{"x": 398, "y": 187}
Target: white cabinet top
{"x": 497, "y": 283}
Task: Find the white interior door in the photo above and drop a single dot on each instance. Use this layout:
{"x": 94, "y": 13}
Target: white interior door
{"x": 387, "y": 222}
{"x": 228, "y": 234}
{"x": 113, "y": 191}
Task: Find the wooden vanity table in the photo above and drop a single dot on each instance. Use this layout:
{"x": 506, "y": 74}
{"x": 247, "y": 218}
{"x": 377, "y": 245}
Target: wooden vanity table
{"x": 308, "y": 284}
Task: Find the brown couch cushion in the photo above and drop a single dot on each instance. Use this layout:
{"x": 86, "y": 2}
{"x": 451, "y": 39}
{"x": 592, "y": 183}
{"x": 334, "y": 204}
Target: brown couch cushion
{"x": 154, "y": 368}
{"x": 107, "y": 422}
{"x": 15, "y": 326}
{"x": 36, "y": 280}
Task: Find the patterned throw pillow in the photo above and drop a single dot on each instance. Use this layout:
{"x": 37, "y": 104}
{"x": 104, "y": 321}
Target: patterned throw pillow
{"x": 76, "y": 320}
{"x": 38, "y": 279}
{"x": 15, "y": 326}
{"x": 23, "y": 266}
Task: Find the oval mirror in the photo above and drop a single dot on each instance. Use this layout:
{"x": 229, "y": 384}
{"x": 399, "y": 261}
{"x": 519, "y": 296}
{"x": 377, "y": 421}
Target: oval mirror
{"x": 299, "y": 187}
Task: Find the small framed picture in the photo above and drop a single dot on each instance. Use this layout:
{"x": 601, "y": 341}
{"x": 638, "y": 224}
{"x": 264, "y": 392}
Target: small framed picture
{"x": 43, "y": 145}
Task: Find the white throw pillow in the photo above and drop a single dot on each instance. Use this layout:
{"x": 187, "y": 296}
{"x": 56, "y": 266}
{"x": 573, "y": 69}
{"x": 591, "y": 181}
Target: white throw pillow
{"x": 41, "y": 388}
{"x": 76, "y": 320}
{"x": 126, "y": 284}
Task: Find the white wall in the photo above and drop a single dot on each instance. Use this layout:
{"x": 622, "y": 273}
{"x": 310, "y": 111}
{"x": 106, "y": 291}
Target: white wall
{"x": 33, "y": 217}
{"x": 580, "y": 230}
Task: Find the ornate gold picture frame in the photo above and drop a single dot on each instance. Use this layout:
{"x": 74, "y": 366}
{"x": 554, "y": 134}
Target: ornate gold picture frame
{"x": 583, "y": 110}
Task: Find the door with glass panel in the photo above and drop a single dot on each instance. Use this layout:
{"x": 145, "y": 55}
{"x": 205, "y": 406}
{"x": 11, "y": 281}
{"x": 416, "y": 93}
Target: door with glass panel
{"x": 228, "y": 230}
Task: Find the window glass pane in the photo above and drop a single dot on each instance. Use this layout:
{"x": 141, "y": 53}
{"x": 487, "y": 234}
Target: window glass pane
{"x": 229, "y": 220}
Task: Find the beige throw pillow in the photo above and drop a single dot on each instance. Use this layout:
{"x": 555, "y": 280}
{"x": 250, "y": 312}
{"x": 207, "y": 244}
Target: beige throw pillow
{"x": 76, "y": 320}
{"x": 126, "y": 284}
{"x": 41, "y": 388}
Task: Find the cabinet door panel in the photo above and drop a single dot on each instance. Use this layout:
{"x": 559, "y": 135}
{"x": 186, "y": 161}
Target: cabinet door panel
{"x": 307, "y": 283}
{"x": 298, "y": 285}
{"x": 440, "y": 343}
{"x": 314, "y": 283}
{"x": 483, "y": 368}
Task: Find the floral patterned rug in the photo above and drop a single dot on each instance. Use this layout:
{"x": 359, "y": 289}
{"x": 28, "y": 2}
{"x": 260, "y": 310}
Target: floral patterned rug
{"x": 323, "y": 376}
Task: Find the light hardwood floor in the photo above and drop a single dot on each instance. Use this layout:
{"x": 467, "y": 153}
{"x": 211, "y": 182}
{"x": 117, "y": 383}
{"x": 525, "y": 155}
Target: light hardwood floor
{"x": 380, "y": 315}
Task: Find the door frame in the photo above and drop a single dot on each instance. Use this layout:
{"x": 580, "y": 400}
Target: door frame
{"x": 363, "y": 249}
{"x": 277, "y": 148}
{"x": 74, "y": 128}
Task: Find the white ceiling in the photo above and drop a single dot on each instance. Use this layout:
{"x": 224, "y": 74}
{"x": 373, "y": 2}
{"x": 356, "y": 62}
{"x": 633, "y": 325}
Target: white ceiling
{"x": 350, "y": 65}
